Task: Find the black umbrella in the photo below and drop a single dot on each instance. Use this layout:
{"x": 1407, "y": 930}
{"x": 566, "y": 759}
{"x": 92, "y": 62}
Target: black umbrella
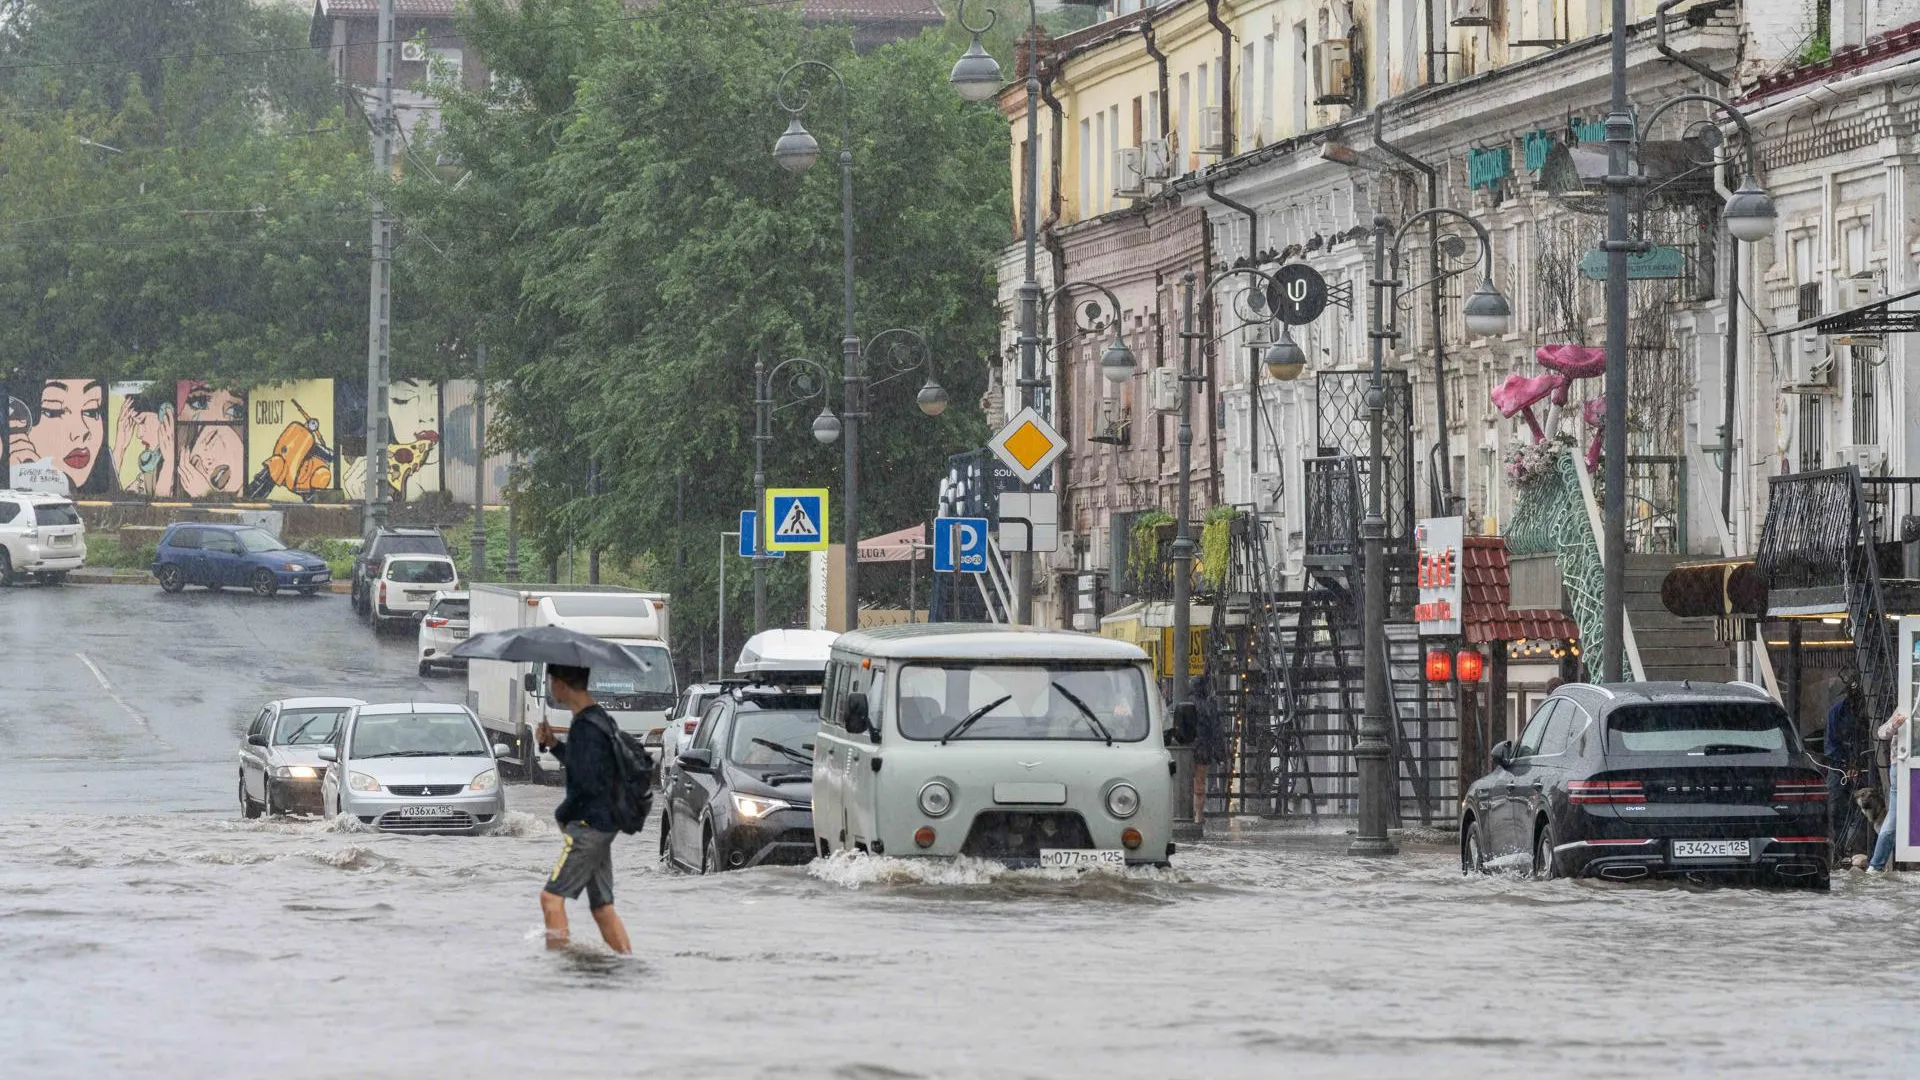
{"x": 549, "y": 645}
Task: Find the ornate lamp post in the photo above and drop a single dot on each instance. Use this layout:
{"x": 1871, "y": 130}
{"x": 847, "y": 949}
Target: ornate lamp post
{"x": 1486, "y": 314}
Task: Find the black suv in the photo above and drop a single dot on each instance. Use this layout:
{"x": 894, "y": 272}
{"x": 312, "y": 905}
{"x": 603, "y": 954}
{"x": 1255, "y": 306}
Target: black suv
{"x": 1636, "y": 780}
{"x": 381, "y": 543}
{"x": 742, "y": 794}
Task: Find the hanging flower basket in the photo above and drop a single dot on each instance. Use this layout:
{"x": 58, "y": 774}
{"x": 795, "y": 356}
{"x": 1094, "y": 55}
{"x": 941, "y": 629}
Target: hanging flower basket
{"x": 1537, "y": 463}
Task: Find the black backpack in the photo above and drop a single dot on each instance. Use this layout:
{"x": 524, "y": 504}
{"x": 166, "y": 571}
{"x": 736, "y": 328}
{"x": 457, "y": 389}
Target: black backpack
{"x": 633, "y": 780}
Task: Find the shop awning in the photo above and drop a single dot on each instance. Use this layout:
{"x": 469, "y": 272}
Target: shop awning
{"x": 1485, "y": 589}
{"x": 897, "y": 546}
{"x": 1877, "y": 317}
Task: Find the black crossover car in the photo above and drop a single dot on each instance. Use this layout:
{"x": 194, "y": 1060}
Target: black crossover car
{"x": 1636, "y": 780}
{"x": 742, "y": 794}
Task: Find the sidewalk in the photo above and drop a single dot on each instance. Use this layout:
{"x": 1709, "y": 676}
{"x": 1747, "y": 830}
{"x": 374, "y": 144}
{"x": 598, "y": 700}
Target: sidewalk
{"x": 1318, "y": 833}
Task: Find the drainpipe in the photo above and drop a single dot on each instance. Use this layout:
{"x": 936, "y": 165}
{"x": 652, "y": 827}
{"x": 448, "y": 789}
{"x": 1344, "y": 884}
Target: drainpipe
{"x": 1053, "y": 166}
{"x": 1226, "y": 78}
{"x": 1159, "y": 58}
{"x": 1253, "y": 412}
{"x": 1443, "y": 498}
{"x": 1732, "y": 357}
{"x": 1660, "y": 45}
{"x": 1051, "y": 239}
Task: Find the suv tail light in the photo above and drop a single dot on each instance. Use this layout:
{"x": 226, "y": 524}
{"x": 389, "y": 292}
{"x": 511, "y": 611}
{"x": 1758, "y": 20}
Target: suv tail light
{"x": 1802, "y": 788}
{"x": 690, "y": 725}
{"x": 435, "y": 622}
{"x": 383, "y": 592}
{"x": 1605, "y": 791}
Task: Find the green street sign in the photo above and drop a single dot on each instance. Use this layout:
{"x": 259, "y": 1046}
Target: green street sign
{"x": 1661, "y": 262}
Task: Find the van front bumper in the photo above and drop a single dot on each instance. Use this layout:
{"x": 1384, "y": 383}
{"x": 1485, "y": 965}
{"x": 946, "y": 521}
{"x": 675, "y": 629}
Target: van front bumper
{"x": 1014, "y": 835}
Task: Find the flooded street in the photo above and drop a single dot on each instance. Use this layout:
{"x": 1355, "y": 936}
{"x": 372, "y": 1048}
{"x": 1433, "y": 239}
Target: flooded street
{"x": 145, "y": 929}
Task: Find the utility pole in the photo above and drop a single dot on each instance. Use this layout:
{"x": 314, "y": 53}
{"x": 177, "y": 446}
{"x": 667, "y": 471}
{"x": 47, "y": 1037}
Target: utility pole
{"x": 479, "y": 565}
{"x": 1372, "y": 752}
{"x": 380, "y": 299}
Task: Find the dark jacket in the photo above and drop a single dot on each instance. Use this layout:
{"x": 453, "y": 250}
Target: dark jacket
{"x": 592, "y": 772}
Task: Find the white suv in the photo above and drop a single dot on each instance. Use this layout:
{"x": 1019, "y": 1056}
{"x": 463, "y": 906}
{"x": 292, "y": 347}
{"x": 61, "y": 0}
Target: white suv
{"x": 406, "y": 587}
{"x": 41, "y": 535}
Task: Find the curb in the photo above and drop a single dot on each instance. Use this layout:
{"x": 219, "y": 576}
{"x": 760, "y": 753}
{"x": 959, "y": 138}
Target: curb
{"x": 90, "y": 576}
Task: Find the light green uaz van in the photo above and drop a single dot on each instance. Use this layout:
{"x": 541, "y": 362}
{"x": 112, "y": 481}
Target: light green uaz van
{"x": 1030, "y": 747}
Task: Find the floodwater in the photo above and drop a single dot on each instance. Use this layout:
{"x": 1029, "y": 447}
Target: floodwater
{"x": 146, "y": 930}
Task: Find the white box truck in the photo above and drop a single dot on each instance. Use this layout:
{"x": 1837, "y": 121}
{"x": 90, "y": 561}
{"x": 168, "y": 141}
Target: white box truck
{"x": 511, "y": 699}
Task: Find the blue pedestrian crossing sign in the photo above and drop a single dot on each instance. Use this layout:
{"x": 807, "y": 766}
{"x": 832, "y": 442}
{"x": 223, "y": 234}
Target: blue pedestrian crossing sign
{"x": 797, "y": 518}
{"x": 749, "y": 532}
{"x": 960, "y": 544}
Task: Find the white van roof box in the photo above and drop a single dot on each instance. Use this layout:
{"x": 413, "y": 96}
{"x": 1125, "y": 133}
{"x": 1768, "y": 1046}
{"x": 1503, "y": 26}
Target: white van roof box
{"x": 773, "y": 652}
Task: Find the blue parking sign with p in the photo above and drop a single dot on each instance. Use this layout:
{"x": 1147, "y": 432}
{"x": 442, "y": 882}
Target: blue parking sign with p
{"x": 960, "y": 545}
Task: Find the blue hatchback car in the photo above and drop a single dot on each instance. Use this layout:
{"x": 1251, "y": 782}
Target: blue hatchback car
{"x": 195, "y": 553}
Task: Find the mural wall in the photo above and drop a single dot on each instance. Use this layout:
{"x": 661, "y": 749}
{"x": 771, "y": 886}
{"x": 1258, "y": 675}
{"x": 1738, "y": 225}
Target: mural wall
{"x": 291, "y": 442}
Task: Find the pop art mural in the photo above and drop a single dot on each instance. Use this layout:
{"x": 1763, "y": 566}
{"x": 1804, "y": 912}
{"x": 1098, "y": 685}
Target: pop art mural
{"x": 290, "y": 441}
{"x": 413, "y": 457}
{"x": 57, "y": 439}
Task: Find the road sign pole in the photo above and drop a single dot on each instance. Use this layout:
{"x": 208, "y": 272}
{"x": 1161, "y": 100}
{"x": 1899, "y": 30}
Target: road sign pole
{"x": 762, "y": 404}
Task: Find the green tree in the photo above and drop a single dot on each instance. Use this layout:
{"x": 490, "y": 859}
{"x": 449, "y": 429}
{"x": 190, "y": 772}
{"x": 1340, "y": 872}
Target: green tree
{"x": 627, "y": 242}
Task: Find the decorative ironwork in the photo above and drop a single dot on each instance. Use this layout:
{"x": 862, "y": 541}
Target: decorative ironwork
{"x": 1550, "y": 518}
{"x": 1656, "y": 505}
{"x": 1333, "y": 511}
{"x": 1342, "y": 429}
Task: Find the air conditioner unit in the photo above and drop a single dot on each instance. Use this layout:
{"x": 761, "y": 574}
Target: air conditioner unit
{"x": 413, "y": 52}
{"x": 1809, "y": 365}
{"x": 1130, "y": 173}
{"x": 1157, "y": 159}
{"x": 1166, "y": 389}
{"x": 1333, "y": 72}
{"x": 1213, "y": 131}
{"x": 1860, "y": 290}
{"x": 1473, "y": 12}
{"x": 1114, "y": 427}
{"x": 1867, "y": 457}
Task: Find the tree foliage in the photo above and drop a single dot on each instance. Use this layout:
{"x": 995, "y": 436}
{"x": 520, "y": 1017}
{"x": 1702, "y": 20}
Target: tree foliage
{"x": 627, "y": 245}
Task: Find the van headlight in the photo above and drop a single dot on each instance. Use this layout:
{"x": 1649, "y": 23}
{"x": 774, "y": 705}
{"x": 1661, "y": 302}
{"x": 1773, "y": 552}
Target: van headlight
{"x": 1123, "y": 800}
{"x": 936, "y": 799}
{"x": 362, "y": 782}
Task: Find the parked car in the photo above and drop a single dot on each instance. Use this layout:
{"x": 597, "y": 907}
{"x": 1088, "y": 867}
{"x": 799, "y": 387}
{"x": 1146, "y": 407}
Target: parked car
{"x": 374, "y": 550}
{"x": 280, "y": 765}
{"x": 1639, "y": 780}
{"x": 197, "y": 553}
{"x": 743, "y": 795}
{"x": 444, "y": 626}
{"x": 681, "y": 726}
{"x": 406, "y": 586}
{"x": 40, "y": 535}
{"x": 413, "y": 767}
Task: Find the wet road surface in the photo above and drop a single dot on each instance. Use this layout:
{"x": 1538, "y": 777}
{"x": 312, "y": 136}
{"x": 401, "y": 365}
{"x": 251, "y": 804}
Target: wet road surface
{"x": 146, "y": 930}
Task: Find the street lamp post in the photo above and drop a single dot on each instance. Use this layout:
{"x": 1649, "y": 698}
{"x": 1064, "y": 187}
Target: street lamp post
{"x": 1749, "y": 216}
{"x": 808, "y": 381}
{"x": 976, "y": 76}
{"x": 1487, "y": 314}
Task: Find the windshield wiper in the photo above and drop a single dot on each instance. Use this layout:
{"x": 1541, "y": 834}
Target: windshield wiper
{"x": 966, "y": 722}
{"x": 421, "y": 753}
{"x": 784, "y": 749}
{"x": 1086, "y": 712}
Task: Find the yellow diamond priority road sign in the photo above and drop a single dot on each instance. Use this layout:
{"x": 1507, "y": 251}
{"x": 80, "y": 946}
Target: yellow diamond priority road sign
{"x": 1028, "y": 444}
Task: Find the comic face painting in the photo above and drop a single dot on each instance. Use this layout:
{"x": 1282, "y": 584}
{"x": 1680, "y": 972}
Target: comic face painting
{"x": 211, "y": 436}
{"x": 62, "y": 436}
{"x": 144, "y": 445}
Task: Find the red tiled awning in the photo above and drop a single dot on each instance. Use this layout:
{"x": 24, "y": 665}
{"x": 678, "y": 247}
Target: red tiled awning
{"x": 1486, "y": 587}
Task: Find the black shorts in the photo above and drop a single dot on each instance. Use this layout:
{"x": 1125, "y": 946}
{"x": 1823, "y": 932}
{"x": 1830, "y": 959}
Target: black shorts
{"x": 585, "y": 864}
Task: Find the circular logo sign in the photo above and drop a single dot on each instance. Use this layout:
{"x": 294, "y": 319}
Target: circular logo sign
{"x": 1298, "y": 294}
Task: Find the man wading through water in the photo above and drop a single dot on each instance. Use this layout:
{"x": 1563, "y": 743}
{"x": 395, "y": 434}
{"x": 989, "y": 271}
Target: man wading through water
{"x": 585, "y": 815}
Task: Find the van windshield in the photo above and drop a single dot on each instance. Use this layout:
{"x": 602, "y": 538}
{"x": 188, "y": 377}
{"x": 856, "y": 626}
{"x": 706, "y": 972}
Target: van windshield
{"x": 1023, "y": 701}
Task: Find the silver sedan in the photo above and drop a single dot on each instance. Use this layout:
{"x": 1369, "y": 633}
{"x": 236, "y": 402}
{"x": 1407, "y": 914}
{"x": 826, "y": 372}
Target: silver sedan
{"x": 415, "y": 767}
{"x": 280, "y": 764}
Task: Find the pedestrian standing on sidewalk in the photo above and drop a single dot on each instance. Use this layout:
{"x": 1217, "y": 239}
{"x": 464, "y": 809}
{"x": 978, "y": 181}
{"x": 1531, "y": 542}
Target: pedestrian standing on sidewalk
{"x": 1896, "y": 757}
{"x": 1209, "y": 740}
{"x": 585, "y": 815}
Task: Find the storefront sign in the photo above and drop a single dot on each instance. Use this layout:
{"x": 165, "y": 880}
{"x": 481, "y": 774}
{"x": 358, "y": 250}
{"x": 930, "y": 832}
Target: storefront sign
{"x": 1486, "y": 168}
{"x": 1537, "y": 145}
{"x": 1437, "y": 543}
{"x": 1587, "y": 131}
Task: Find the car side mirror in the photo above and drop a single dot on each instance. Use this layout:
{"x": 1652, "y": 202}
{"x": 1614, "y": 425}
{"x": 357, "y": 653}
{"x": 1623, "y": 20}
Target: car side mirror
{"x": 531, "y": 682}
{"x": 501, "y": 749}
{"x": 854, "y": 716}
{"x": 700, "y": 761}
{"x": 1186, "y": 723}
{"x": 328, "y": 753}
{"x": 1502, "y": 753}
{"x": 256, "y": 739}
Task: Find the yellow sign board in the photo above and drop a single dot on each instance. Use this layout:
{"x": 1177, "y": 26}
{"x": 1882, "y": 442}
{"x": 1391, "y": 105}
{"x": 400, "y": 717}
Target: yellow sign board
{"x": 1028, "y": 445}
{"x": 1196, "y": 651}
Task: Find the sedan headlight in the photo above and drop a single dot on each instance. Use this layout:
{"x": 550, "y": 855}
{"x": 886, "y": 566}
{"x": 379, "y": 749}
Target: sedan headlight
{"x": 936, "y": 799}
{"x": 292, "y": 567}
{"x": 1123, "y": 800}
{"x": 753, "y": 807}
{"x": 485, "y": 781}
{"x": 362, "y": 782}
{"x": 295, "y": 772}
